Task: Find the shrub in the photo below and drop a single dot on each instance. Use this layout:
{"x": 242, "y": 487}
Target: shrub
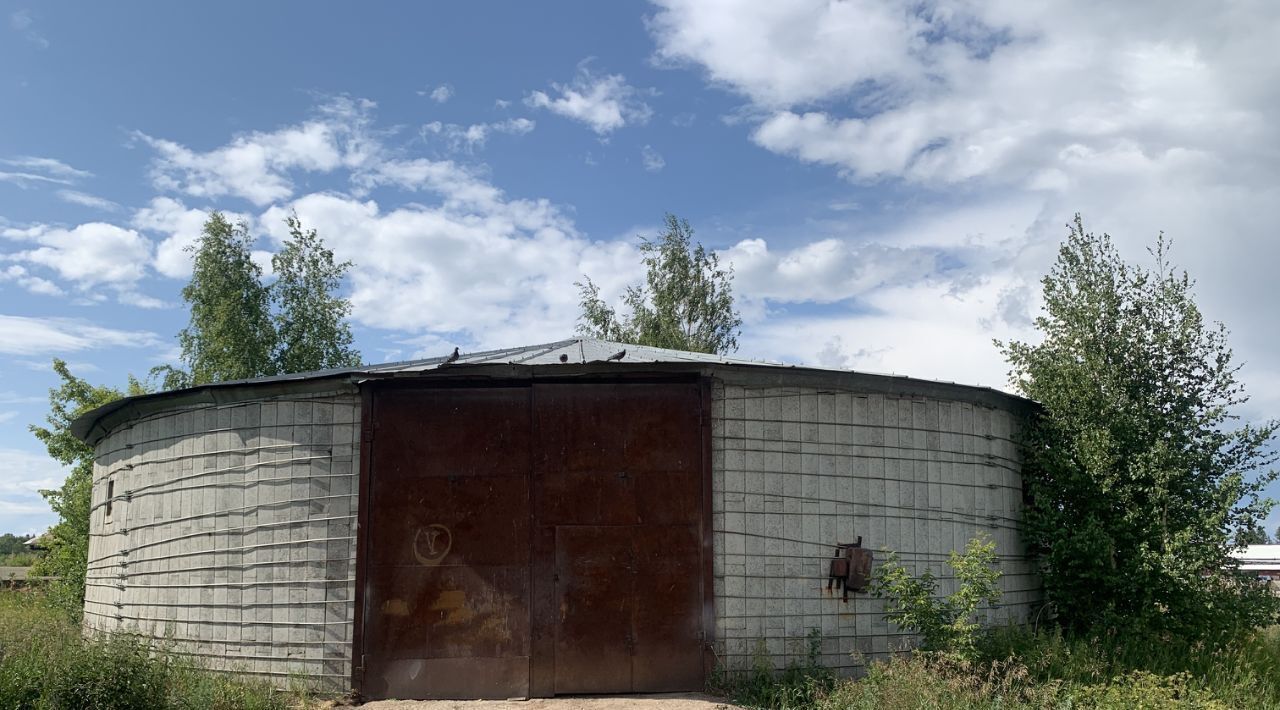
{"x": 946, "y": 624}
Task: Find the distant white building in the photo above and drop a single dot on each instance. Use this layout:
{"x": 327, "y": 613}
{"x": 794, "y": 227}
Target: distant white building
{"x": 1262, "y": 560}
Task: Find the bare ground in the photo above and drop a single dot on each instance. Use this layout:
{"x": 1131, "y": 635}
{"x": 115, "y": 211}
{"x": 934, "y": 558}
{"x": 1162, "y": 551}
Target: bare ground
{"x": 670, "y": 701}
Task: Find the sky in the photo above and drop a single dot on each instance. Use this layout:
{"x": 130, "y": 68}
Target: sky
{"x": 888, "y": 180}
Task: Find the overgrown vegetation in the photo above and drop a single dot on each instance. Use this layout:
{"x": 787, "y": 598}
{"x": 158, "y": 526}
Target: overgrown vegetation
{"x": 946, "y": 624}
{"x": 19, "y": 559}
{"x": 686, "y": 302}
{"x": 1018, "y": 668}
{"x": 1140, "y": 480}
{"x": 46, "y": 663}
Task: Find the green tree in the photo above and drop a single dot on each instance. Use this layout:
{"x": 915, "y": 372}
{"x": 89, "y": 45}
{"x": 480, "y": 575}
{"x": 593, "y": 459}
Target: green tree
{"x": 11, "y": 544}
{"x": 686, "y": 302}
{"x": 1138, "y": 476}
{"x": 1256, "y": 535}
{"x": 230, "y": 335}
{"x": 68, "y": 552}
{"x": 310, "y": 318}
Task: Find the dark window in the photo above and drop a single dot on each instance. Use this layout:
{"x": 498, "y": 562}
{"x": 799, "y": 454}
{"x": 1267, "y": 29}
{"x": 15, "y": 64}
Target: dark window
{"x": 111, "y": 494}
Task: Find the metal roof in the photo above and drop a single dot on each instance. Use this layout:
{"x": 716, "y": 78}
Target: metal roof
{"x": 1258, "y": 557}
{"x": 577, "y": 351}
{"x": 573, "y": 352}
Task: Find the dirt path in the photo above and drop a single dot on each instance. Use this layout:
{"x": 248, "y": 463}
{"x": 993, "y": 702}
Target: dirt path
{"x": 673, "y": 701}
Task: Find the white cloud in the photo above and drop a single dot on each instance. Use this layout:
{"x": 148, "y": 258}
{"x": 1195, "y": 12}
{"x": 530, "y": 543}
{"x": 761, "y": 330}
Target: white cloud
{"x": 24, "y": 278}
{"x": 24, "y": 336}
{"x": 466, "y": 138}
{"x": 28, "y": 180}
{"x": 792, "y": 52}
{"x": 48, "y": 166}
{"x": 652, "y": 159}
{"x": 91, "y": 254}
{"x": 605, "y": 103}
{"x": 23, "y": 474}
{"x": 82, "y": 198}
{"x": 257, "y": 166}
{"x": 34, "y": 171}
{"x": 492, "y": 269}
{"x": 22, "y": 22}
{"x": 440, "y": 94}
{"x": 947, "y": 93}
{"x": 825, "y": 271}
{"x": 1141, "y": 118}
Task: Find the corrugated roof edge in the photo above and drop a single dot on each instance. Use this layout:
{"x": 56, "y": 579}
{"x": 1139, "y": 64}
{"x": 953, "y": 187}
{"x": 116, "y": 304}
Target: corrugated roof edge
{"x": 91, "y": 426}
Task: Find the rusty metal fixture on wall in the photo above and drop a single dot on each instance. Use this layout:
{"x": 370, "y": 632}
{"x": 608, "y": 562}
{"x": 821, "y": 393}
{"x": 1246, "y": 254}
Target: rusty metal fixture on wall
{"x": 850, "y": 568}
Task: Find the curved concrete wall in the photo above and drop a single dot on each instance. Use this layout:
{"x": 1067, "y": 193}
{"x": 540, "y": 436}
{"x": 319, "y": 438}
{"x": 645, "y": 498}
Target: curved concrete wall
{"x": 231, "y": 532}
{"x": 232, "y": 526}
{"x": 799, "y": 467}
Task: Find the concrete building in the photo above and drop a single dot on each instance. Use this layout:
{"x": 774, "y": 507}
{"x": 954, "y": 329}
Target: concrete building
{"x": 576, "y": 517}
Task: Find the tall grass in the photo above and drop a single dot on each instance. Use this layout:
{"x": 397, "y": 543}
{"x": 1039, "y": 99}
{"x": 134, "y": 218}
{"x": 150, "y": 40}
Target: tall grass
{"x": 1020, "y": 669}
{"x": 19, "y": 559}
{"x": 1241, "y": 674}
{"x": 47, "y": 663}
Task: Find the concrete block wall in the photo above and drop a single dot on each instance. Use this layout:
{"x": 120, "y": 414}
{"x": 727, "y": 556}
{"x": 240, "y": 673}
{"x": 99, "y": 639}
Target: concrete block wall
{"x": 232, "y": 534}
{"x": 797, "y": 469}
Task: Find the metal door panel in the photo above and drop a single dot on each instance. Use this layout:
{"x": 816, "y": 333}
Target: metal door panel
{"x": 594, "y": 609}
{"x": 667, "y": 497}
{"x": 459, "y": 431}
{"x": 450, "y": 612}
{"x": 471, "y": 521}
{"x": 452, "y": 678}
{"x": 668, "y": 602}
{"x": 649, "y": 427}
{"x": 618, "y": 476}
{"x": 445, "y": 598}
{"x": 586, "y": 498}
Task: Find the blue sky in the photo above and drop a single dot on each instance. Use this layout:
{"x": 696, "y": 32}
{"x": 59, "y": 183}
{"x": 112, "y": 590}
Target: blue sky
{"x": 888, "y": 180}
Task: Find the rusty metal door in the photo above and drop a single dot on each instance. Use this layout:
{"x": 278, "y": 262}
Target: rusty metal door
{"x": 446, "y": 592}
{"x": 618, "y": 546}
{"x": 532, "y": 540}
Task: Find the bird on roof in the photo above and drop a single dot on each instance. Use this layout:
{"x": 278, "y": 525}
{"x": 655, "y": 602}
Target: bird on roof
{"x": 617, "y": 356}
{"x": 453, "y": 357}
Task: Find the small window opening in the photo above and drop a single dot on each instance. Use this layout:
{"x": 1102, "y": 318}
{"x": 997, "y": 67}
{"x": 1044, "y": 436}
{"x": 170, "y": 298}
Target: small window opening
{"x": 111, "y": 494}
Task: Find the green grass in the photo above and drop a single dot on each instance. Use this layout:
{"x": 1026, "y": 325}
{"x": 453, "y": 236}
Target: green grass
{"x": 46, "y": 663}
{"x": 1019, "y": 669}
{"x": 19, "y": 559}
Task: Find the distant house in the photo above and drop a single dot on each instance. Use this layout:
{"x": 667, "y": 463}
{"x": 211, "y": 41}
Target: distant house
{"x": 38, "y": 542}
{"x": 1261, "y": 560}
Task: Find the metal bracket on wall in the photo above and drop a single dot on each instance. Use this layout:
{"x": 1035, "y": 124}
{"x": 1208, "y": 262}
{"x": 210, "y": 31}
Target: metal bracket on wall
{"x": 849, "y": 569}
